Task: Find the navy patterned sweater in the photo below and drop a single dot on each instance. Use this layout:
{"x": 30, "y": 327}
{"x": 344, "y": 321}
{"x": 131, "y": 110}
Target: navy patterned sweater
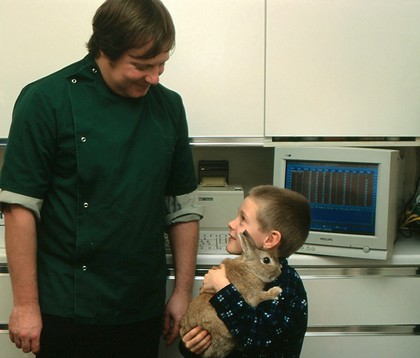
{"x": 274, "y": 329}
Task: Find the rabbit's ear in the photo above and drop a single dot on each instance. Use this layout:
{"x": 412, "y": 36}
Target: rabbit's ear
{"x": 247, "y": 243}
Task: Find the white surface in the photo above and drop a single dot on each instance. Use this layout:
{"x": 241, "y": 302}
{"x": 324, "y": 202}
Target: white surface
{"x": 341, "y": 68}
{"x": 387, "y": 346}
{"x": 406, "y": 253}
{"x": 219, "y": 204}
{"x": 334, "y": 68}
{"x": 333, "y": 301}
{"x": 8, "y": 349}
{"x": 347, "y": 300}
{"x": 2, "y": 245}
{"x": 365, "y": 300}
{"x": 6, "y": 298}
{"x": 218, "y": 65}
{"x": 36, "y": 39}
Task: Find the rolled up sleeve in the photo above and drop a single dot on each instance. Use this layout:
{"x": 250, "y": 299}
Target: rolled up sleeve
{"x": 183, "y": 208}
{"x": 33, "y": 204}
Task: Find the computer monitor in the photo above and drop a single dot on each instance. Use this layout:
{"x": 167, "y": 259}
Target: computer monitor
{"x": 353, "y": 194}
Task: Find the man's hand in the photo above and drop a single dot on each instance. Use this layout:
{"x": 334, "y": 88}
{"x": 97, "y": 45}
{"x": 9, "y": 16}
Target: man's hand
{"x": 175, "y": 309}
{"x": 25, "y": 325}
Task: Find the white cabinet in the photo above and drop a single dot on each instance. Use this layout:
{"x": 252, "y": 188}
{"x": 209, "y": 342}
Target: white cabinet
{"x": 251, "y": 68}
{"x": 8, "y": 349}
{"x": 218, "y": 65}
{"x": 349, "y": 297}
{"x": 6, "y": 298}
{"x": 367, "y": 312}
{"x": 343, "y": 68}
{"x": 363, "y": 346}
{"x": 36, "y": 39}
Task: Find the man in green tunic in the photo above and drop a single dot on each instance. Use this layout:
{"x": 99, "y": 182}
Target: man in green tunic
{"x": 97, "y": 166}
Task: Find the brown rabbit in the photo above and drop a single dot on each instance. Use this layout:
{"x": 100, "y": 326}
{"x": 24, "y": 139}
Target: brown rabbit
{"x": 248, "y": 273}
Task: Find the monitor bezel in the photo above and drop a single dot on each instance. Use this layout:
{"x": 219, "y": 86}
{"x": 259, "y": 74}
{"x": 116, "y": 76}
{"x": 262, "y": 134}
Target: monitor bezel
{"x": 374, "y": 246}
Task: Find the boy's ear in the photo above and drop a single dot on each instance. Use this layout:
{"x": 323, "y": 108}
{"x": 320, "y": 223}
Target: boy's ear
{"x": 272, "y": 240}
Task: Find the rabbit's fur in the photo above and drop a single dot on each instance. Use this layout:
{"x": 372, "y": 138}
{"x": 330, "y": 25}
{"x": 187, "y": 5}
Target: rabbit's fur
{"x": 248, "y": 273}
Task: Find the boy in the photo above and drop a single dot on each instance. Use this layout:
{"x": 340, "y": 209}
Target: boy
{"x": 279, "y": 221}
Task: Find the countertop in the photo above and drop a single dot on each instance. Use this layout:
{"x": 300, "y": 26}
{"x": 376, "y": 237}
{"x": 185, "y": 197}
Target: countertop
{"x": 406, "y": 253}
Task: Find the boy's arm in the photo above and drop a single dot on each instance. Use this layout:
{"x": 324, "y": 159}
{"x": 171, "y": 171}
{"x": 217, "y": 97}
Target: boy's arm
{"x": 269, "y": 319}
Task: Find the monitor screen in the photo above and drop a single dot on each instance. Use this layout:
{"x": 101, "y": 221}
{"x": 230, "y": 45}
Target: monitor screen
{"x": 342, "y": 195}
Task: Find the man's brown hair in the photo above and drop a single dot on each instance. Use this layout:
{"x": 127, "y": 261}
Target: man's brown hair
{"x": 120, "y": 25}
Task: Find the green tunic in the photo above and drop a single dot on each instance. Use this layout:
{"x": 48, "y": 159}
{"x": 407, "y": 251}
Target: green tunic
{"x": 102, "y": 164}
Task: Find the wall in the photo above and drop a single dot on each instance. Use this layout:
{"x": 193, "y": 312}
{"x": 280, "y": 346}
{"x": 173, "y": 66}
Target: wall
{"x": 248, "y": 166}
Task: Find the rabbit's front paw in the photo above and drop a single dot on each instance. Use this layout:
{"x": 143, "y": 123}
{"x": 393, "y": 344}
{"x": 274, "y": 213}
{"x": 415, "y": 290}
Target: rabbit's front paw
{"x": 274, "y": 292}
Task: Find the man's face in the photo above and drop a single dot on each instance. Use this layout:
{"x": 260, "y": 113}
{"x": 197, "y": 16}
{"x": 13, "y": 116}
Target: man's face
{"x": 130, "y": 76}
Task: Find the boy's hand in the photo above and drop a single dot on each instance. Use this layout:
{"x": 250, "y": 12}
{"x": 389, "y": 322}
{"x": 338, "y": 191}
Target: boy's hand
{"x": 197, "y": 340}
{"x": 215, "y": 279}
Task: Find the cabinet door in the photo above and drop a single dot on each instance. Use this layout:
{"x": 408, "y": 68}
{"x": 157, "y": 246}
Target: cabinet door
{"x": 362, "y": 301}
{"x": 218, "y": 65}
{"x": 6, "y": 298}
{"x": 364, "y": 346}
{"x": 9, "y": 350}
{"x": 343, "y": 68}
{"x": 37, "y": 38}
{"x": 362, "y": 312}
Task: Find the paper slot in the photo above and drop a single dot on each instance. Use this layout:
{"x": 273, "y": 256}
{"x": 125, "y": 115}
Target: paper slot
{"x": 213, "y": 181}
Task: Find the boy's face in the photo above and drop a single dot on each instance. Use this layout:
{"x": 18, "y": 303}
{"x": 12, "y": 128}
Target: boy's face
{"x": 245, "y": 220}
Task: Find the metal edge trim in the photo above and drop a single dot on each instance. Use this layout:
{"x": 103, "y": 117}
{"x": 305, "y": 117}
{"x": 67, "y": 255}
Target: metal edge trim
{"x": 394, "y": 330}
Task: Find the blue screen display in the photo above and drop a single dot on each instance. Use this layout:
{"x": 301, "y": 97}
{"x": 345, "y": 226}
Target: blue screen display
{"x": 342, "y": 195}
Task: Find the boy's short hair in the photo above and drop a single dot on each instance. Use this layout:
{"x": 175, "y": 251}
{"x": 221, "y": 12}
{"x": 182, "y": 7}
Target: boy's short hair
{"x": 286, "y": 211}
{"x": 121, "y": 25}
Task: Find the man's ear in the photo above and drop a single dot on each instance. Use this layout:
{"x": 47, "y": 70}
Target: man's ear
{"x": 272, "y": 240}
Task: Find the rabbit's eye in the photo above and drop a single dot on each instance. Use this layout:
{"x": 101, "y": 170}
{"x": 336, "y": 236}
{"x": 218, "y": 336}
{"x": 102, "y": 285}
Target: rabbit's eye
{"x": 266, "y": 260}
